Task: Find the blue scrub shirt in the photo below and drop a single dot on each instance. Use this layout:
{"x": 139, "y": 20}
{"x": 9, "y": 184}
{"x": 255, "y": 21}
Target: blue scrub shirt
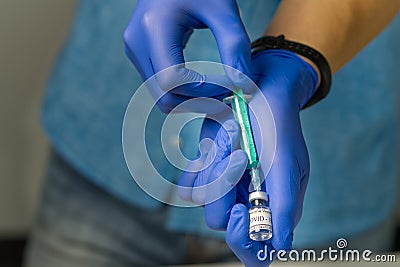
{"x": 352, "y": 136}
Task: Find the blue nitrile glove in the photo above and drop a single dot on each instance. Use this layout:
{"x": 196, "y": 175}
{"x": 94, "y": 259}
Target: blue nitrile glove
{"x": 223, "y": 163}
{"x": 158, "y": 32}
{"x": 287, "y": 82}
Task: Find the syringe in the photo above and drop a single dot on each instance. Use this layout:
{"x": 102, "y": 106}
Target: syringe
{"x": 260, "y": 228}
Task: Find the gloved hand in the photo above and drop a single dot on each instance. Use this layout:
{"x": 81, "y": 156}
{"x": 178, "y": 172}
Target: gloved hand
{"x": 217, "y": 173}
{"x": 287, "y": 82}
{"x": 158, "y": 32}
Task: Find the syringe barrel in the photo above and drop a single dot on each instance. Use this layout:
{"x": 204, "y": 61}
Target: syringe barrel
{"x": 240, "y": 111}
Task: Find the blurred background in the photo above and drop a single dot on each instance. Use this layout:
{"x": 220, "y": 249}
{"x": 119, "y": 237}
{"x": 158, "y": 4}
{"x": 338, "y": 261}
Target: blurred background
{"x": 31, "y": 33}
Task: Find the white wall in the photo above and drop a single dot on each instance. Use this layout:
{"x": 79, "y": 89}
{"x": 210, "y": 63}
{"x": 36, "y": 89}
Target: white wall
{"x": 31, "y": 32}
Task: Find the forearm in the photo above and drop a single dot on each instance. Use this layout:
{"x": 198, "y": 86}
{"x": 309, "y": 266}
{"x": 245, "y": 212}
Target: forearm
{"x": 339, "y": 29}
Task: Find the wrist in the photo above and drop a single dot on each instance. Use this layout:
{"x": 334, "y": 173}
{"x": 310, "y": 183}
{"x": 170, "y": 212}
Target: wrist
{"x": 319, "y": 64}
{"x": 291, "y": 79}
{"x": 312, "y": 65}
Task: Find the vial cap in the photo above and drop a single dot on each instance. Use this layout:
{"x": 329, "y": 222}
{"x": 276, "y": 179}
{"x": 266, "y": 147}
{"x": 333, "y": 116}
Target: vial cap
{"x": 258, "y": 195}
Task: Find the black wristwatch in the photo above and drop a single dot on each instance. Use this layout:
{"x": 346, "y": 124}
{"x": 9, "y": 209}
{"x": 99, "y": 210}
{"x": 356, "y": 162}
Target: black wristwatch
{"x": 279, "y": 42}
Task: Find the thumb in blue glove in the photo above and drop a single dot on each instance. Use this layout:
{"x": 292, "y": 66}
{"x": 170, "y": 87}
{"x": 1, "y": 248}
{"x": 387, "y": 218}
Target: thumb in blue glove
{"x": 214, "y": 180}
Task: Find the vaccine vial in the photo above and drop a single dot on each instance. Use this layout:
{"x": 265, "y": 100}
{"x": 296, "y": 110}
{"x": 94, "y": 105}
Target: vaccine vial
{"x": 260, "y": 228}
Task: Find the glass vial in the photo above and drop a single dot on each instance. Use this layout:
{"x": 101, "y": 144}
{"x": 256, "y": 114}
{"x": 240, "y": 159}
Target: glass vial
{"x": 260, "y": 228}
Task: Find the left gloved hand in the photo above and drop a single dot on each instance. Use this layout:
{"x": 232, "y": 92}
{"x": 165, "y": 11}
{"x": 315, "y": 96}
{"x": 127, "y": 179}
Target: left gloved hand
{"x": 287, "y": 82}
{"x": 158, "y": 32}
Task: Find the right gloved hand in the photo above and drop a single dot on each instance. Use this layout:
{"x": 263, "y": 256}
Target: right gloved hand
{"x": 158, "y": 32}
{"x": 287, "y": 82}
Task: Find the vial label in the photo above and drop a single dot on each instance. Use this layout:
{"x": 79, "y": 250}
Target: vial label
{"x": 260, "y": 219}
